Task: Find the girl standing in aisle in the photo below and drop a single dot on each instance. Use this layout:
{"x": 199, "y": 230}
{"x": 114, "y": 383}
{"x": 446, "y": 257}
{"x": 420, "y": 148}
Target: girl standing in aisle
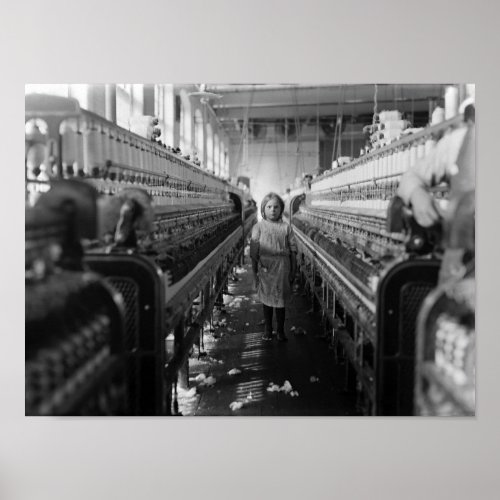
{"x": 273, "y": 249}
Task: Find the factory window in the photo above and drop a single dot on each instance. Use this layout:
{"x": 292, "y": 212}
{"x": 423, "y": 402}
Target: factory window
{"x": 217, "y": 155}
{"x": 221, "y": 156}
{"x": 123, "y": 104}
{"x": 185, "y": 125}
{"x": 137, "y": 101}
{"x": 126, "y": 87}
{"x": 160, "y": 102}
{"x": 226, "y": 164}
{"x": 129, "y": 102}
{"x": 159, "y": 109}
{"x": 80, "y": 93}
{"x": 182, "y": 128}
{"x": 210, "y": 148}
{"x": 198, "y": 133}
{"x": 177, "y": 108}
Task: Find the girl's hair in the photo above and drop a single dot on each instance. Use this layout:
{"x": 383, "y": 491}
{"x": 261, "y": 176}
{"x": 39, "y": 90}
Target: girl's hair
{"x": 268, "y": 197}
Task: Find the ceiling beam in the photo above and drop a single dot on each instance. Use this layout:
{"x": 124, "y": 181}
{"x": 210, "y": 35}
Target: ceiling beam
{"x": 302, "y": 111}
{"x": 348, "y": 102}
{"x": 319, "y": 95}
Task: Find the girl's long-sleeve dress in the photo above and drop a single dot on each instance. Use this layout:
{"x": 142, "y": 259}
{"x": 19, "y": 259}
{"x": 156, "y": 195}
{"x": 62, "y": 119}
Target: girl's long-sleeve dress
{"x": 271, "y": 246}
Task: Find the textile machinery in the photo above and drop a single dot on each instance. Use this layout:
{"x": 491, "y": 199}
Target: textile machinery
{"x": 368, "y": 267}
{"x": 165, "y": 236}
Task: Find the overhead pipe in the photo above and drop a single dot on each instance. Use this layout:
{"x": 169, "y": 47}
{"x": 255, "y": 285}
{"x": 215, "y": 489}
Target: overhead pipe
{"x": 302, "y": 104}
{"x": 235, "y": 88}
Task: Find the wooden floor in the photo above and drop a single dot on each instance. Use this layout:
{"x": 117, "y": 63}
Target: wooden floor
{"x": 235, "y": 342}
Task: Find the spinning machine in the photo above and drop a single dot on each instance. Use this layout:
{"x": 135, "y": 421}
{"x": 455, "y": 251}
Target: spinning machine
{"x": 368, "y": 267}
{"x": 128, "y": 245}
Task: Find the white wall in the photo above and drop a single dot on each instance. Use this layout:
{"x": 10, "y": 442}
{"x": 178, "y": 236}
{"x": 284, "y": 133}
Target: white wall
{"x": 273, "y": 163}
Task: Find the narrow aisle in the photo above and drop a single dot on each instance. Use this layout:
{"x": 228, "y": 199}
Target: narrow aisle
{"x": 234, "y": 376}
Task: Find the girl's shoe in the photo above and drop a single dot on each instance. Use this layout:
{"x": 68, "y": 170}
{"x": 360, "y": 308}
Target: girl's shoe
{"x": 267, "y": 336}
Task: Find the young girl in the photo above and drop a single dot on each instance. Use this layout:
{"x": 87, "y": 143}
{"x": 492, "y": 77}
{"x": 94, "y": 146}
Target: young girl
{"x": 273, "y": 249}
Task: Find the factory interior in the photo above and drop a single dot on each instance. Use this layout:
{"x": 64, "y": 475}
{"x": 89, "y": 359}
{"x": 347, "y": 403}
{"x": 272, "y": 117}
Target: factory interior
{"x": 143, "y": 292}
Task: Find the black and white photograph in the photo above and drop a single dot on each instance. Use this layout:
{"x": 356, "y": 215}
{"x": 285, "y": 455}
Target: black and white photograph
{"x": 265, "y": 266}
{"x": 256, "y": 250}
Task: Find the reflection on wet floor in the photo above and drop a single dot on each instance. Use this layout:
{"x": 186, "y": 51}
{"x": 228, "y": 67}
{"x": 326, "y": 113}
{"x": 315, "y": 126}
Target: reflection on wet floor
{"x": 253, "y": 377}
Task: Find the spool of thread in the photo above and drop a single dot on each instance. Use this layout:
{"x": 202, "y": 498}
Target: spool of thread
{"x": 450, "y": 102}
{"x": 35, "y": 159}
{"x": 136, "y": 153}
{"x": 392, "y": 163}
{"x": 93, "y": 150}
{"x": 106, "y": 145}
{"x": 383, "y": 165}
{"x": 79, "y": 165}
{"x": 398, "y": 158}
{"x": 405, "y": 160}
{"x": 127, "y": 150}
{"x": 69, "y": 146}
{"x": 120, "y": 150}
{"x": 142, "y": 156}
{"x": 437, "y": 116}
{"x": 376, "y": 168}
{"x": 157, "y": 160}
{"x": 420, "y": 150}
{"x": 413, "y": 155}
{"x": 112, "y": 147}
{"x": 149, "y": 158}
{"x": 152, "y": 156}
{"x": 429, "y": 145}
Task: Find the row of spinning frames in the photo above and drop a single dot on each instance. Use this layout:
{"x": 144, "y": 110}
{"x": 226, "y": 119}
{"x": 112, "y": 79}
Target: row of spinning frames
{"x": 130, "y": 246}
{"x": 373, "y": 272}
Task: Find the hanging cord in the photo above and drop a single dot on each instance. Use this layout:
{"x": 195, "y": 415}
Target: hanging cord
{"x": 261, "y": 154}
{"x": 352, "y": 123}
{"x": 336, "y": 137}
{"x": 412, "y": 110}
{"x": 297, "y": 134}
{"x": 352, "y": 137}
{"x": 337, "y": 149}
{"x": 375, "y": 105}
{"x": 244, "y": 132}
{"x": 319, "y": 169}
{"x": 246, "y": 121}
{"x": 278, "y": 156}
{"x": 333, "y": 147}
{"x": 225, "y": 115}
